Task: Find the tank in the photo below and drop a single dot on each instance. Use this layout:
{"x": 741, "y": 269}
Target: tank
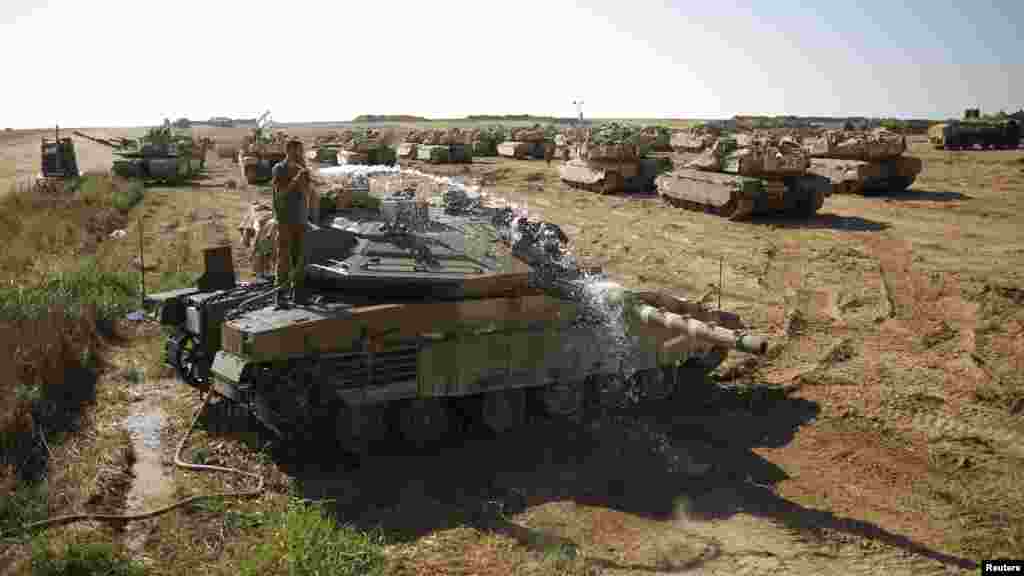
{"x": 612, "y": 159}
{"x": 433, "y": 311}
{"x": 744, "y": 175}
{"x": 965, "y": 135}
{"x": 57, "y": 161}
{"x": 859, "y": 162}
{"x": 450, "y": 146}
{"x": 162, "y": 154}
{"x": 528, "y": 143}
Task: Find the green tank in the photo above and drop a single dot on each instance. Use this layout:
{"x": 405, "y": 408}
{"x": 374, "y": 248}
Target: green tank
{"x": 966, "y": 134}
{"x": 434, "y": 311}
{"x": 162, "y": 154}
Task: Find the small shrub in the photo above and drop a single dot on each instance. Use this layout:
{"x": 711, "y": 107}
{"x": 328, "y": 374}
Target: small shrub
{"x": 88, "y": 559}
{"x": 127, "y": 197}
{"x": 20, "y": 503}
{"x": 308, "y": 542}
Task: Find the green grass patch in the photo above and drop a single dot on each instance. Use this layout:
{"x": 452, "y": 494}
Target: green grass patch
{"x": 86, "y": 559}
{"x": 22, "y": 504}
{"x": 306, "y": 541}
{"x": 109, "y": 293}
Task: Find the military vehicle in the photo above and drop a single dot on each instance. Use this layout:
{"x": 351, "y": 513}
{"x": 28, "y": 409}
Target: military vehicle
{"x": 485, "y": 140}
{"x": 58, "y": 162}
{"x": 433, "y": 311}
{"x": 858, "y": 162}
{"x": 451, "y": 146}
{"x": 737, "y": 181}
{"x": 613, "y": 159}
{"x": 966, "y": 134}
{"x": 260, "y": 151}
{"x": 527, "y": 143}
{"x": 162, "y": 154}
{"x": 367, "y": 147}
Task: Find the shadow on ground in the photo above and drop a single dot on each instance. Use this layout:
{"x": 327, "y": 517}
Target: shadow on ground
{"x": 914, "y": 194}
{"x": 822, "y": 221}
{"x": 618, "y": 461}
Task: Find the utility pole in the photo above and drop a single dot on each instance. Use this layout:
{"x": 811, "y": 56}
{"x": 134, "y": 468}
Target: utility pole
{"x": 579, "y": 125}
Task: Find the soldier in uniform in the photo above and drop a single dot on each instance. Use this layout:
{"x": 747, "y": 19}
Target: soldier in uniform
{"x": 291, "y": 182}
{"x": 549, "y": 151}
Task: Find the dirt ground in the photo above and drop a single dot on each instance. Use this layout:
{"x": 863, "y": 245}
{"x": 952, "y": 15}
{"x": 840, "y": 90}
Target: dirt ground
{"x": 883, "y": 433}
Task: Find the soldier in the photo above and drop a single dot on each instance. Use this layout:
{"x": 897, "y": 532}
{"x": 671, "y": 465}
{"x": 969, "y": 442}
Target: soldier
{"x": 549, "y": 151}
{"x": 291, "y": 184}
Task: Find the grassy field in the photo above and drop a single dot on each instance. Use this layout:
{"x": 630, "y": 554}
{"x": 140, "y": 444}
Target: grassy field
{"x": 896, "y": 444}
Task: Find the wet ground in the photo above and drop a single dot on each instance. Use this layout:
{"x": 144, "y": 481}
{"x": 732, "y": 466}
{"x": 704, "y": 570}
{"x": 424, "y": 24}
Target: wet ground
{"x": 152, "y": 484}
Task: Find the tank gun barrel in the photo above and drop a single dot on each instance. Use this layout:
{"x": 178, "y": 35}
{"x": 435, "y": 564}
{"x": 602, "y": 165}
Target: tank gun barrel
{"x": 108, "y": 143}
{"x": 610, "y": 295}
{"x": 697, "y": 330}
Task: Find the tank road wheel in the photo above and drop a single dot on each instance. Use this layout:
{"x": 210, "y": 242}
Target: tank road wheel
{"x": 656, "y": 384}
{"x": 503, "y": 410}
{"x": 423, "y": 421}
{"x": 184, "y": 355}
{"x": 564, "y": 399}
{"x": 360, "y": 427}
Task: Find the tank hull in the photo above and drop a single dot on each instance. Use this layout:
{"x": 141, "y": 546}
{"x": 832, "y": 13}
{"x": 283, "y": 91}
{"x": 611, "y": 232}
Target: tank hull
{"x": 444, "y": 153}
{"x": 859, "y": 177}
{"x": 258, "y": 169}
{"x": 965, "y": 136}
{"x": 374, "y": 157}
{"x": 612, "y": 177}
{"x": 517, "y": 150}
{"x": 740, "y": 197}
{"x": 171, "y": 169}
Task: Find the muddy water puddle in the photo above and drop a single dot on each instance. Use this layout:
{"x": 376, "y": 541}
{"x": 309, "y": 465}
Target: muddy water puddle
{"x": 152, "y": 485}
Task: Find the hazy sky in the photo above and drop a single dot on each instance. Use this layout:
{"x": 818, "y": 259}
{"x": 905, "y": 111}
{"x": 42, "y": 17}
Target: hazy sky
{"x": 135, "y": 62}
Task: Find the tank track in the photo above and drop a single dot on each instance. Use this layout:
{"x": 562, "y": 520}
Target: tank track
{"x": 309, "y": 415}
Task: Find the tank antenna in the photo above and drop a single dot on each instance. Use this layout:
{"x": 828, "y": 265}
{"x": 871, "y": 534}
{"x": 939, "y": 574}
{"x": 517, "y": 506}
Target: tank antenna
{"x": 721, "y": 274}
{"x": 142, "y": 267}
{"x": 579, "y": 124}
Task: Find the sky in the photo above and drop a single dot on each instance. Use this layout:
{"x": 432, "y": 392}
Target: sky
{"x": 136, "y": 62}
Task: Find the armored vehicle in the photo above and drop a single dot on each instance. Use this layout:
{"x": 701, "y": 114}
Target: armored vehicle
{"x": 863, "y": 162}
{"x": 965, "y": 135}
{"x": 161, "y": 154}
{"x": 260, "y": 151}
{"x": 528, "y": 143}
{"x": 612, "y": 159}
{"x": 733, "y": 181}
{"x": 58, "y": 162}
{"x": 431, "y": 312}
{"x": 451, "y": 146}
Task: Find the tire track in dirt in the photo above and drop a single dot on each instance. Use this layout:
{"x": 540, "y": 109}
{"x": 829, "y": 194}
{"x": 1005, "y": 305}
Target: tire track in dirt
{"x": 925, "y": 308}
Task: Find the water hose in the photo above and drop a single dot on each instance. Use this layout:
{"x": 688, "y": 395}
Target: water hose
{"x": 124, "y": 518}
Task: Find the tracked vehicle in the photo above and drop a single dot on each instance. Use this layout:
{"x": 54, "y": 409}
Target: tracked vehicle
{"x": 451, "y": 146}
{"x": 863, "y": 162}
{"x": 431, "y": 313}
{"x": 613, "y": 158}
{"x": 58, "y": 162}
{"x": 738, "y": 182}
{"x": 160, "y": 155}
